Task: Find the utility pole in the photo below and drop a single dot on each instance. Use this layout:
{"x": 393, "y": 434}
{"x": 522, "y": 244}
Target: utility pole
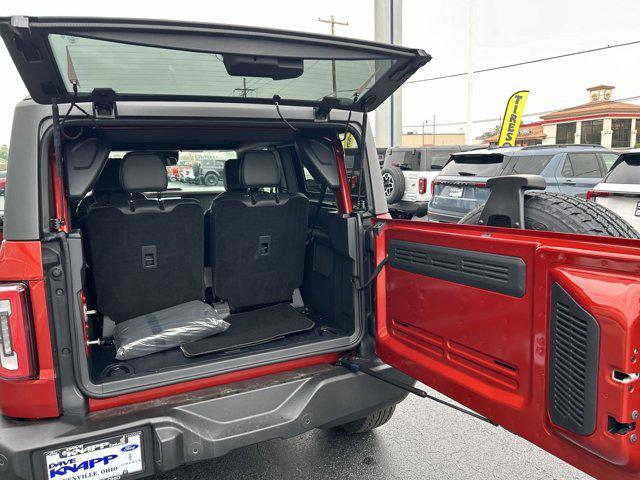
{"x": 244, "y": 91}
{"x": 423, "y": 126}
{"x": 434, "y": 128}
{"x": 332, "y": 21}
{"x": 469, "y": 73}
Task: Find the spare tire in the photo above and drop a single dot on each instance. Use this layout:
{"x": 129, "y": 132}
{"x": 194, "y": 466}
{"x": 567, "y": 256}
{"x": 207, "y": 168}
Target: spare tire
{"x": 393, "y": 180}
{"x": 556, "y": 212}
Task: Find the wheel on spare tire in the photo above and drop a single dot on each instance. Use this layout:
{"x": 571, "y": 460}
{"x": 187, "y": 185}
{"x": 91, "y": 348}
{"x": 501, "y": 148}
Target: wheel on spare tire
{"x": 371, "y": 421}
{"x": 393, "y": 180}
{"x": 556, "y": 212}
{"x": 211, "y": 179}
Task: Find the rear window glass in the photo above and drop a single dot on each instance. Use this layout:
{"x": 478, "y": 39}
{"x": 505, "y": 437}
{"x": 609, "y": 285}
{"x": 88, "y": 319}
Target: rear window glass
{"x": 196, "y": 170}
{"x": 531, "y": 165}
{"x": 627, "y": 171}
{"x": 136, "y": 69}
{"x": 609, "y": 159}
{"x": 474, "y": 165}
{"x": 439, "y": 160}
{"x": 406, "y": 160}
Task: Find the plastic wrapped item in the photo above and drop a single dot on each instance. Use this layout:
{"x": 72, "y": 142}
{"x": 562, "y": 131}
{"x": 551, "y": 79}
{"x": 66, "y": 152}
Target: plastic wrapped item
{"x": 166, "y": 329}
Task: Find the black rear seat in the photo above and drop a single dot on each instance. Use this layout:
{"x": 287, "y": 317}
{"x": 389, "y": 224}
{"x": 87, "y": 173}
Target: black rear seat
{"x": 257, "y": 239}
{"x": 146, "y": 254}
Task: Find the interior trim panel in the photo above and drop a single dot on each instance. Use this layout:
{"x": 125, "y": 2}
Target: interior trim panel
{"x": 488, "y": 271}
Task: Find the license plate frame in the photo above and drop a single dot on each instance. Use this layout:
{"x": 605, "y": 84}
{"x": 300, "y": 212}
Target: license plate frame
{"x": 456, "y": 192}
{"x": 133, "y": 463}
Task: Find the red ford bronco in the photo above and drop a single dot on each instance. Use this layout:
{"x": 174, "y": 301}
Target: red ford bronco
{"x": 146, "y": 323}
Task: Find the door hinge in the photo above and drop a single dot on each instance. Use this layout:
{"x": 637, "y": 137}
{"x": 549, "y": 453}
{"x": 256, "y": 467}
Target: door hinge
{"x": 321, "y": 112}
{"x": 357, "y": 366}
{"x": 104, "y": 103}
{"x": 377, "y": 228}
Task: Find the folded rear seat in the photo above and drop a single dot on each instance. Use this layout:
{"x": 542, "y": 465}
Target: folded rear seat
{"x": 146, "y": 254}
{"x": 257, "y": 238}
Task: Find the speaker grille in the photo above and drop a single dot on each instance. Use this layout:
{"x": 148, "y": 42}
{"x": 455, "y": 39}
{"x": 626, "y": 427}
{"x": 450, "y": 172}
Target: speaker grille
{"x": 573, "y": 360}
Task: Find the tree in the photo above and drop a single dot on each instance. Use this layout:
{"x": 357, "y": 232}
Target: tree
{"x": 4, "y": 154}
{"x": 494, "y": 131}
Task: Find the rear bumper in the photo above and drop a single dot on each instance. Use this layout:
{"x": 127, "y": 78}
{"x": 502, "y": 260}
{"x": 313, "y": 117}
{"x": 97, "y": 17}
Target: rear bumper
{"x": 208, "y": 423}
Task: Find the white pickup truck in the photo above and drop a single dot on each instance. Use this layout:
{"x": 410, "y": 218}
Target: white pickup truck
{"x": 408, "y": 173}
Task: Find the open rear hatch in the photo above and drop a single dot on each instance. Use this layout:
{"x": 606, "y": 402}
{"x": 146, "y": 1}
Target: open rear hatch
{"x": 62, "y": 58}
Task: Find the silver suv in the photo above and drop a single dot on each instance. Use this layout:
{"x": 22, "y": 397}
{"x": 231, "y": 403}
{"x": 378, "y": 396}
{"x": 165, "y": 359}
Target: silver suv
{"x": 407, "y": 174}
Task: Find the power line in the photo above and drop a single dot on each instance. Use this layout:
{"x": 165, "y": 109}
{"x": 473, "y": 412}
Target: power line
{"x": 497, "y": 119}
{"x": 527, "y": 62}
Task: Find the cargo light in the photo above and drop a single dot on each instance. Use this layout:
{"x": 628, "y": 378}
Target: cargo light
{"x": 17, "y": 361}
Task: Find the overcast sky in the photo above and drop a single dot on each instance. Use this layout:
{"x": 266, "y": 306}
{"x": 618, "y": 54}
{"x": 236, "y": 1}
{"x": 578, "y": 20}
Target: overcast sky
{"x": 504, "y": 32}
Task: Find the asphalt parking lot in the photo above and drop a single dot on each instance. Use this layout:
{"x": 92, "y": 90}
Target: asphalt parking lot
{"x": 422, "y": 441}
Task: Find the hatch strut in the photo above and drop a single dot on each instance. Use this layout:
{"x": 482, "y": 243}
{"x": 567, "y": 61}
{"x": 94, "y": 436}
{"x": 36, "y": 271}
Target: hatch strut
{"x": 354, "y": 366}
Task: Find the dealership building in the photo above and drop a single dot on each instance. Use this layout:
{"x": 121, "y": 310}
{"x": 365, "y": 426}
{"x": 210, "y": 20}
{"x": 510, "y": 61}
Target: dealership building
{"x": 600, "y": 121}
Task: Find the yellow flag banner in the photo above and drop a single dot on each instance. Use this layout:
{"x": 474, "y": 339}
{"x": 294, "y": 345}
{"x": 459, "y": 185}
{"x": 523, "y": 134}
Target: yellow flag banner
{"x": 513, "y": 118}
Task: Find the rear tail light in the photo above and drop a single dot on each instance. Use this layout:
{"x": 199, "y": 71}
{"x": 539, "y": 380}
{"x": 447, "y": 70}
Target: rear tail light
{"x": 592, "y": 194}
{"x": 433, "y": 187}
{"x": 422, "y": 186}
{"x": 17, "y": 360}
{"x": 480, "y": 185}
{"x": 353, "y": 183}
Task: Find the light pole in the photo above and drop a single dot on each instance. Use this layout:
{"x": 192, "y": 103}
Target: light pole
{"x": 469, "y": 74}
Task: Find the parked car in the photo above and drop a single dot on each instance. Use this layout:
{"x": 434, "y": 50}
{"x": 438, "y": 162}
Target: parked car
{"x": 3, "y": 181}
{"x": 209, "y": 172}
{"x": 619, "y": 191}
{"x": 334, "y": 309}
{"x": 407, "y": 174}
{"x": 185, "y": 171}
{"x": 461, "y": 185}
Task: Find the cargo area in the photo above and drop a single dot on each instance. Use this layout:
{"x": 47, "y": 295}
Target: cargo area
{"x": 208, "y": 246}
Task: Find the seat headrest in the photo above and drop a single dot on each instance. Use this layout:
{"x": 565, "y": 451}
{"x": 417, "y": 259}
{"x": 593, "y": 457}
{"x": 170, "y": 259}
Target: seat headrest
{"x": 259, "y": 169}
{"x": 109, "y": 179}
{"x": 143, "y": 172}
{"x": 232, "y": 175}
